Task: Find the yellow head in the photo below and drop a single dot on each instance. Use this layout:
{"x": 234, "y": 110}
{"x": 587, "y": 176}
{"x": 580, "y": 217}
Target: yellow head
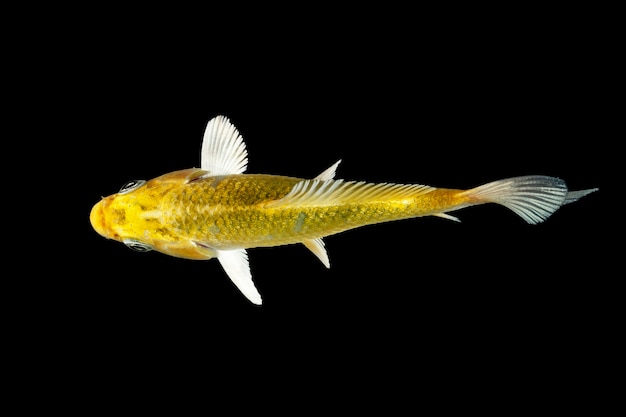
{"x": 134, "y": 216}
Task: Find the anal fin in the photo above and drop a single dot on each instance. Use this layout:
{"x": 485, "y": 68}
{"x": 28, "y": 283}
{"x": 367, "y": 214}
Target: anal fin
{"x": 447, "y": 216}
{"x": 317, "y": 247}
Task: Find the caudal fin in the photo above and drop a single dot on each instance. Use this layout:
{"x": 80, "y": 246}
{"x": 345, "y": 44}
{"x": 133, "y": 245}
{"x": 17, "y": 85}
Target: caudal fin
{"x": 534, "y": 198}
{"x": 575, "y": 195}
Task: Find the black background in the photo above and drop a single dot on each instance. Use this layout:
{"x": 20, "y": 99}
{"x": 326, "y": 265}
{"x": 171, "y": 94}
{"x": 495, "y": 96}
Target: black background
{"x": 452, "y": 103}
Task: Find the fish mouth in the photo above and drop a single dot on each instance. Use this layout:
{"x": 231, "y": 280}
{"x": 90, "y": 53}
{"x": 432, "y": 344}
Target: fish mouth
{"x": 97, "y": 219}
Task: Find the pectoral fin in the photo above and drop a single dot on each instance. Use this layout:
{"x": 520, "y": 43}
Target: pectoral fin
{"x": 223, "y": 149}
{"x": 235, "y": 263}
{"x": 317, "y": 247}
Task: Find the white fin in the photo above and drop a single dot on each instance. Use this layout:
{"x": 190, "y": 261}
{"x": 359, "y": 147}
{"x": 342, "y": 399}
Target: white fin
{"x": 447, "y": 216}
{"x": 575, "y": 195}
{"x": 317, "y": 247}
{"x": 223, "y": 150}
{"x": 235, "y": 263}
{"x": 534, "y": 198}
{"x": 329, "y": 174}
{"x": 325, "y": 193}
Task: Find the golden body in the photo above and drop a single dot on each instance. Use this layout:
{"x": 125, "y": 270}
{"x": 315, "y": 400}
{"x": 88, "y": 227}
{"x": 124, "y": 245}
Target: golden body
{"x": 175, "y": 212}
{"x": 217, "y": 211}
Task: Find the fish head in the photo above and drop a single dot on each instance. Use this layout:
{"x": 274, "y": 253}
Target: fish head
{"x": 134, "y": 217}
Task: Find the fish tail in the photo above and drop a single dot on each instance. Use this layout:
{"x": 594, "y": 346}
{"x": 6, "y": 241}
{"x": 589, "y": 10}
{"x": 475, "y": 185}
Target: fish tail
{"x": 575, "y": 195}
{"x": 534, "y": 198}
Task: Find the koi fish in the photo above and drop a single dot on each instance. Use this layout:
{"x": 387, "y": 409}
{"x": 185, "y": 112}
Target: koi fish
{"x": 217, "y": 211}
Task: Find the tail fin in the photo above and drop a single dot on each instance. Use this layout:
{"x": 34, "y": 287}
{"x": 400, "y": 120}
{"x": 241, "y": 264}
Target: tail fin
{"x": 575, "y": 195}
{"x": 534, "y": 198}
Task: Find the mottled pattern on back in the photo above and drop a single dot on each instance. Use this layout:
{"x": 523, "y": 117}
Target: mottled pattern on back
{"x": 239, "y": 211}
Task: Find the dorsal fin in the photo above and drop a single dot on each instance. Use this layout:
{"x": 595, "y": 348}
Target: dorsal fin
{"x": 326, "y": 193}
{"x": 223, "y": 149}
{"x": 329, "y": 174}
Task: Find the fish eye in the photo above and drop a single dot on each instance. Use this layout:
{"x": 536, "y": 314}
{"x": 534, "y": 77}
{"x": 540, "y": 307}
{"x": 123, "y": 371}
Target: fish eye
{"x": 130, "y": 186}
{"x": 137, "y": 245}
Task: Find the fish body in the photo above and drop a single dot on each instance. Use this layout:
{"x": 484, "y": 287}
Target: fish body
{"x": 218, "y": 211}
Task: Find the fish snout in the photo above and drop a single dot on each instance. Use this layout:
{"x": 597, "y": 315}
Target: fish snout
{"x": 97, "y": 219}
